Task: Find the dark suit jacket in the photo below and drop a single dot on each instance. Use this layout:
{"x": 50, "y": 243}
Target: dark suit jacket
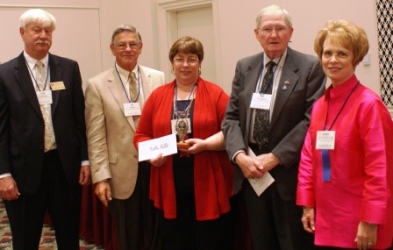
{"x": 305, "y": 83}
{"x": 22, "y": 124}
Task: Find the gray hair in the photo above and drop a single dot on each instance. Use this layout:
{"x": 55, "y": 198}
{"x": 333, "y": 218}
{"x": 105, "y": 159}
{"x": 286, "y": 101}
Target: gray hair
{"x": 37, "y": 16}
{"x": 125, "y": 27}
{"x": 274, "y": 10}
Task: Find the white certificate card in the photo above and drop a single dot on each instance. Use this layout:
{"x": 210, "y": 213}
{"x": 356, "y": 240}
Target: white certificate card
{"x": 260, "y": 184}
{"x": 151, "y": 148}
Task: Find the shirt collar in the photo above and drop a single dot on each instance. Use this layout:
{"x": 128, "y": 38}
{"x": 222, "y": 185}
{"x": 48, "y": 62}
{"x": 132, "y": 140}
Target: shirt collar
{"x": 32, "y": 61}
{"x": 125, "y": 73}
{"x": 343, "y": 89}
{"x": 278, "y": 60}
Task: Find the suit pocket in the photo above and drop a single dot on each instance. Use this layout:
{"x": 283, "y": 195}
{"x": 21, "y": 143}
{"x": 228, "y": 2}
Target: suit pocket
{"x": 293, "y": 100}
{"x": 112, "y": 158}
{"x": 14, "y": 151}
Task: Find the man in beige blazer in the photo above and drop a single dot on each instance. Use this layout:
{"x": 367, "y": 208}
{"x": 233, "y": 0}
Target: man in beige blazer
{"x": 112, "y": 112}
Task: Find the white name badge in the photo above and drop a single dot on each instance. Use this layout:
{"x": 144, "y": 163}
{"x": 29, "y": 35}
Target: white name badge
{"x": 325, "y": 139}
{"x": 132, "y": 109}
{"x": 261, "y": 101}
{"x": 44, "y": 97}
{"x": 173, "y": 125}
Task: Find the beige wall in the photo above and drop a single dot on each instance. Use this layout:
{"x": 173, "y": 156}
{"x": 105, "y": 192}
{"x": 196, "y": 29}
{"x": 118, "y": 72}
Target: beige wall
{"x": 308, "y": 17}
{"x": 236, "y": 21}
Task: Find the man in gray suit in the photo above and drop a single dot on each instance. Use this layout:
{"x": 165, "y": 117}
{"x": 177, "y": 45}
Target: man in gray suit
{"x": 114, "y": 100}
{"x": 295, "y": 81}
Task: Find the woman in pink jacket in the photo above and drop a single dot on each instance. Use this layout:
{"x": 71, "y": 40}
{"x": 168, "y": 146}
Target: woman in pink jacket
{"x": 345, "y": 174}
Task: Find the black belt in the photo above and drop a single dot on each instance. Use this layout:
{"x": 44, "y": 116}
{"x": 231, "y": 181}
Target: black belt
{"x": 50, "y": 153}
{"x": 254, "y": 146}
{"x": 257, "y": 149}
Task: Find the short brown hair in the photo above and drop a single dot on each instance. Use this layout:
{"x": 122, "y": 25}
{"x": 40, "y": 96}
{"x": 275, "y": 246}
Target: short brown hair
{"x": 188, "y": 45}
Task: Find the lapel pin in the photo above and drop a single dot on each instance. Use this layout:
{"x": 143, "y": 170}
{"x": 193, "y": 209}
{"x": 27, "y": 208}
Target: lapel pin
{"x": 284, "y": 87}
{"x": 286, "y": 82}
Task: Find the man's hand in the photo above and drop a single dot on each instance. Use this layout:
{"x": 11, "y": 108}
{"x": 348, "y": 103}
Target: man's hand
{"x": 103, "y": 192}
{"x": 8, "y": 188}
{"x": 268, "y": 161}
{"x": 250, "y": 166}
{"x": 84, "y": 175}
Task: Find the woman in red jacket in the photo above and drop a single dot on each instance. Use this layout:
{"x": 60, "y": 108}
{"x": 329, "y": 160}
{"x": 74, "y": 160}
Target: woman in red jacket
{"x": 193, "y": 187}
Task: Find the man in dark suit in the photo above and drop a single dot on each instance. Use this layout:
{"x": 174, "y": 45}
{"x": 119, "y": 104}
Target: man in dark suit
{"x": 43, "y": 154}
{"x": 295, "y": 81}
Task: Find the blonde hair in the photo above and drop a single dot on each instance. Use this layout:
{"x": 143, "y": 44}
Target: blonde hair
{"x": 345, "y": 34}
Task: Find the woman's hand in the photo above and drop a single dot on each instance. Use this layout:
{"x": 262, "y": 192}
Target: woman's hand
{"x": 214, "y": 142}
{"x": 366, "y": 236}
{"x": 196, "y": 146}
{"x": 308, "y": 219}
{"x": 158, "y": 161}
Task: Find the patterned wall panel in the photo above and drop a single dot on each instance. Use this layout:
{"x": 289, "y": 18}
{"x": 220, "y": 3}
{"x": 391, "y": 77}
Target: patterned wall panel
{"x": 385, "y": 49}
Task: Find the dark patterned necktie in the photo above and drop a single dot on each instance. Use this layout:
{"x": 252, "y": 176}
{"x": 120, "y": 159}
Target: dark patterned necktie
{"x": 262, "y": 121}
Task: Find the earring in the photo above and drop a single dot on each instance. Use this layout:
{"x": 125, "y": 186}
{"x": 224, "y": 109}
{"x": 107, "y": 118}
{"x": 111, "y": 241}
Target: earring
{"x": 172, "y": 71}
{"x": 199, "y": 71}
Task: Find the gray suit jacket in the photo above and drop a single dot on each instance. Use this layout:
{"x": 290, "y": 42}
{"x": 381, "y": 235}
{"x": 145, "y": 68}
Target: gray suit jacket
{"x": 290, "y": 117}
{"x": 110, "y": 134}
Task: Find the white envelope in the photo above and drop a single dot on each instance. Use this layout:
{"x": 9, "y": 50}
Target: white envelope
{"x": 260, "y": 184}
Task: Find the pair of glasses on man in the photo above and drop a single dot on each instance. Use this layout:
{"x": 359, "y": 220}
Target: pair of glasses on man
{"x": 124, "y": 46}
{"x": 269, "y": 30}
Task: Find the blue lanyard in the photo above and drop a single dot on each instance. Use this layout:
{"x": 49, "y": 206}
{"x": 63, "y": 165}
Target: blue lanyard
{"x": 128, "y": 95}
{"x": 342, "y": 107}
{"x": 326, "y": 167}
{"x": 34, "y": 78}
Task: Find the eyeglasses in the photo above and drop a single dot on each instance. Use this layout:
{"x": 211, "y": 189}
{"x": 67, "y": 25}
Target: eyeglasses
{"x": 124, "y": 46}
{"x": 190, "y": 60}
{"x": 269, "y": 30}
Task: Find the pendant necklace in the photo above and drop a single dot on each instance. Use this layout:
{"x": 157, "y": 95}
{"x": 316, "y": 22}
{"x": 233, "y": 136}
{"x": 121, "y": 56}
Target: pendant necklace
{"x": 182, "y": 122}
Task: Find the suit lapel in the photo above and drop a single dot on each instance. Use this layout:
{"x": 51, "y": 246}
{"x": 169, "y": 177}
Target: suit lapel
{"x": 286, "y": 85}
{"x": 56, "y": 72}
{"x": 251, "y": 81}
{"x": 23, "y": 78}
{"x": 116, "y": 89}
{"x": 146, "y": 85}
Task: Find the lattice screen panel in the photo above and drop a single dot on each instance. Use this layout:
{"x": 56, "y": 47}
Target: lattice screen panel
{"x": 385, "y": 49}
